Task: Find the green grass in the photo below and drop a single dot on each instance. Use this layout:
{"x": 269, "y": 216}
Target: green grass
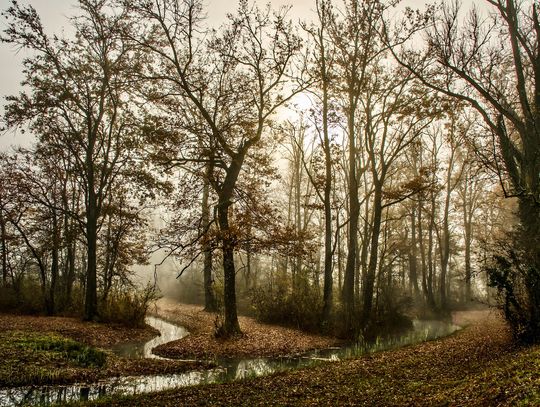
{"x": 38, "y": 358}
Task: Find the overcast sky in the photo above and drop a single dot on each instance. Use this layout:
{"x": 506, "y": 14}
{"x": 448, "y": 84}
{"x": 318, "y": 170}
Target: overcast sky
{"x": 54, "y": 14}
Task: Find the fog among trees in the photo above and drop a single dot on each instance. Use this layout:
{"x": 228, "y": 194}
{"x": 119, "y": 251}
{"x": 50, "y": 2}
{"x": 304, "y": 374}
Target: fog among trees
{"x": 341, "y": 174}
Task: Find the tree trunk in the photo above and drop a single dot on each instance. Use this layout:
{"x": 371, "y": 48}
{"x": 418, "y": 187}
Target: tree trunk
{"x": 430, "y": 260}
{"x": 55, "y": 264}
{"x": 445, "y": 240}
{"x": 3, "y": 237}
{"x": 70, "y": 232}
{"x": 354, "y": 214}
{"x": 231, "y": 326}
{"x": 369, "y": 283}
{"x": 107, "y": 268}
{"x": 328, "y": 280}
{"x": 210, "y": 303}
{"x": 427, "y": 294}
{"x": 413, "y": 257}
{"x": 467, "y": 243}
{"x": 90, "y": 305}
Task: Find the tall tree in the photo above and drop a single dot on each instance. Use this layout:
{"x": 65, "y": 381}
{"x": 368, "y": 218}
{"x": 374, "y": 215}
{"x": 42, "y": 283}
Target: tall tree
{"x": 234, "y": 79}
{"x": 323, "y": 56}
{"x": 356, "y": 42}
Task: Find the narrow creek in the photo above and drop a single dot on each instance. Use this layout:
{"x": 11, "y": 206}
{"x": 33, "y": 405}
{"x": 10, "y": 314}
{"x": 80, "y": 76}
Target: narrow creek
{"x": 229, "y": 369}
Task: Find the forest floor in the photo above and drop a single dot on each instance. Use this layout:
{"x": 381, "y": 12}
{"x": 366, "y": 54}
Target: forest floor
{"x": 36, "y": 350}
{"x": 477, "y": 366}
{"x": 258, "y": 340}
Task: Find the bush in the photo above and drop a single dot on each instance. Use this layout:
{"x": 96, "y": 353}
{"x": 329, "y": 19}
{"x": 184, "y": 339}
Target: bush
{"x": 518, "y": 286}
{"x": 128, "y": 308}
{"x": 8, "y": 299}
{"x": 279, "y": 305}
{"x": 390, "y": 315}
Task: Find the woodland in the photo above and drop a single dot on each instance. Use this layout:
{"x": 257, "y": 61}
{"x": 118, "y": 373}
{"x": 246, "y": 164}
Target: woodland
{"x": 339, "y": 175}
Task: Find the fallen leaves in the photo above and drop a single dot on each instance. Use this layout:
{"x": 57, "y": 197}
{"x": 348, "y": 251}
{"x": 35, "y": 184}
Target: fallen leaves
{"x": 90, "y": 333}
{"x": 21, "y": 364}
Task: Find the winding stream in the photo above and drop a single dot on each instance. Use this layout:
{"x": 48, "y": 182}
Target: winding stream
{"x": 228, "y": 370}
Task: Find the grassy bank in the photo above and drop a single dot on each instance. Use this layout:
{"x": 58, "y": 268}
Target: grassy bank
{"x": 477, "y": 366}
{"x": 37, "y": 358}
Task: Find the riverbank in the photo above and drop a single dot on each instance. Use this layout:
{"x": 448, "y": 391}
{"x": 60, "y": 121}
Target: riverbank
{"x": 37, "y": 350}
{"x": 259, "y": 340}
{"x": 477, "y": 366}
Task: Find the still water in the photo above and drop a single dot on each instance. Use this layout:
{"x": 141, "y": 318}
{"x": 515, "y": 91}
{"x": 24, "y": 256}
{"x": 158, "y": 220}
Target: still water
{"x": 228, "y": 370}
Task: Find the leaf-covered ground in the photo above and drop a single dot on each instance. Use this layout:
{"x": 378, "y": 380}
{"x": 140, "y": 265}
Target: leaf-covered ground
{"x": 90, "y": 333}
{"x": 21, "y": 364}
{"x": 258, "y": 339}
{"x": 477, "y": 366}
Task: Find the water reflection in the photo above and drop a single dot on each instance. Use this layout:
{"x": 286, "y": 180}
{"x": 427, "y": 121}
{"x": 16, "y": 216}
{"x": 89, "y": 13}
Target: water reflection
{"x": 229, "y": 370}
{"x": 169, "y": 332}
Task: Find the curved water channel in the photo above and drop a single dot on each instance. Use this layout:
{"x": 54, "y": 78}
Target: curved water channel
{"x": 229, "y": 368}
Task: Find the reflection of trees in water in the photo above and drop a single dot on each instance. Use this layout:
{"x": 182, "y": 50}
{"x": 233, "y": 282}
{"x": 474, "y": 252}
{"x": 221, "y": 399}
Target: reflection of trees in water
{"x": 251, "y": 367}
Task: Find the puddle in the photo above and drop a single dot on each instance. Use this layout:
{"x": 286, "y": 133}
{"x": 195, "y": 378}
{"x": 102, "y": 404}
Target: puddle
{"x": 228, "y": 370}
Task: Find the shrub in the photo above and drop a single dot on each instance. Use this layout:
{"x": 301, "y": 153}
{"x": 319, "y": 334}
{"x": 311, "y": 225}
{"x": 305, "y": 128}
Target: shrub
{"x": 390, "y": 314}
{"x": 128, "y": 308}
{"x": 8, "y": 299}
{"x": 26, "y": 298}
{"x": 278, "y": 304}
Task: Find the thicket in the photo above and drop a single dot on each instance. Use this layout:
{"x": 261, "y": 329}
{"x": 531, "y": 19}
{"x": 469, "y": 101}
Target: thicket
{"x": 277, "y": 303}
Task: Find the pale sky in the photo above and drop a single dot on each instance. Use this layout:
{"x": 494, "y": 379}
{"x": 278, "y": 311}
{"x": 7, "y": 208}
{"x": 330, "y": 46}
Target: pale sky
{"x": 54, "y": 14}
